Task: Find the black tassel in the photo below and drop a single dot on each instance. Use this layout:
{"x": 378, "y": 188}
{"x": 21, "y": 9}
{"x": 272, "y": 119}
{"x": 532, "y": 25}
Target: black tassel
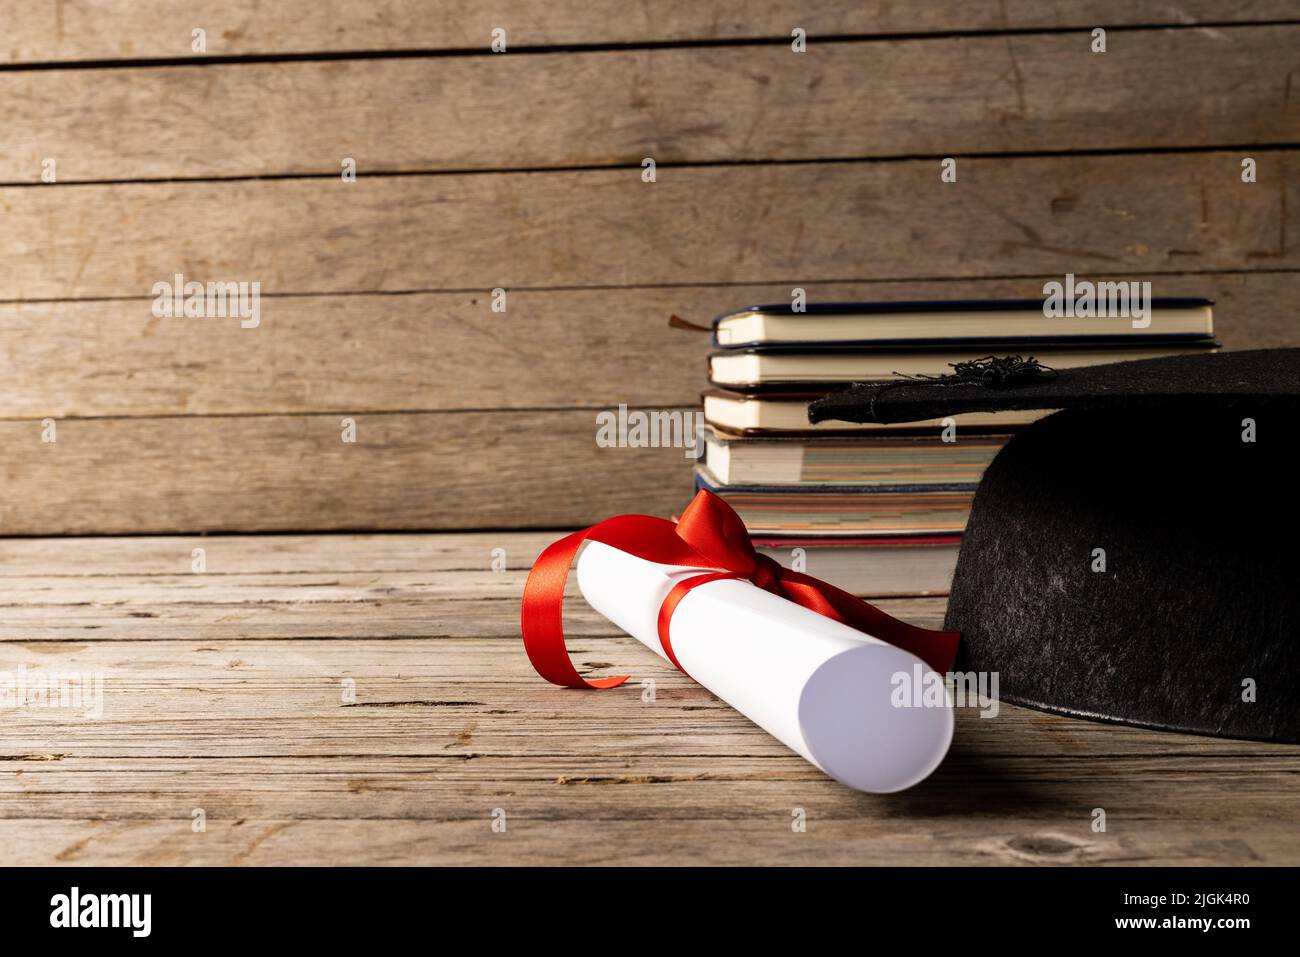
{"x": 993, "y": 372}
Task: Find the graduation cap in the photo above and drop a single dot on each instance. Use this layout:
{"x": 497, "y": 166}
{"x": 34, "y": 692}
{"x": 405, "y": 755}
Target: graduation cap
{"x": 1134, "y": 557}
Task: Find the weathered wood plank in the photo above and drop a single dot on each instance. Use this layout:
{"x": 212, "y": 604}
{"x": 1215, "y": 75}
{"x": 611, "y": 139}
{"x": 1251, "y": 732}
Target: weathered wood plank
{"x": 258, "y": 617}
{"x": 797, "y": 223}
{"x": 275, "y": 473}
{"x": 982, "y": 838}
{"x": 473, "y": 617}
{"x": 446, "y": 351}
{"x": 442, "y": 787}
{"x": 136, "y": 559}
{"x": 135, "y": 29}
{"x": 844, "y": 100}
{"x": 445, "y": 700}
{"x": 88, "y": 590}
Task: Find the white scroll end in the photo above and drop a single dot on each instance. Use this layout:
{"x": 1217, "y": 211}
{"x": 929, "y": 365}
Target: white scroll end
{"x": 868, "y": 725}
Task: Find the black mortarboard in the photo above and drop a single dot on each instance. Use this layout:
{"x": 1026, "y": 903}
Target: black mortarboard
{"x": 1136, "y": 557}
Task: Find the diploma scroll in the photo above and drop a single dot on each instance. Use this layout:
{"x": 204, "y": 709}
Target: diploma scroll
{"x": 825, "y": 690}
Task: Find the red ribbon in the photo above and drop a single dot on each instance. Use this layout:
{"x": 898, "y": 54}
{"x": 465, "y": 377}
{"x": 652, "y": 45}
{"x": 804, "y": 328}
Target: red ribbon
{"x": 709, "y": 535}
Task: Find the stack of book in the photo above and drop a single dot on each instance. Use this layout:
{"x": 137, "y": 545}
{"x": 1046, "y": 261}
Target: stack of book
{"x": 879, "y": 509}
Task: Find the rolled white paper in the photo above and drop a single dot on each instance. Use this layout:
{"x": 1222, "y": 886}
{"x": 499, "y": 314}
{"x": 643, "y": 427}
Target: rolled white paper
{"x": 823, "y": 689}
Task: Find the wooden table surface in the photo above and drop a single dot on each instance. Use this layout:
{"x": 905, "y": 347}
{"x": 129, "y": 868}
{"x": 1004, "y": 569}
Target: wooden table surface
{"x": 365, "y": 699}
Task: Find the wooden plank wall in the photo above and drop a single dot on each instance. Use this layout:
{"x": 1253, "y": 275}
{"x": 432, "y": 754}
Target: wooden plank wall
{"x": 522, "y": 170}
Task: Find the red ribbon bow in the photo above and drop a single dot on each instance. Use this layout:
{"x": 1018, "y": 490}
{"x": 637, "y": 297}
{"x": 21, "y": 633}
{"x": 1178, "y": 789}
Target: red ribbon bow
{"x": 709, "y": 535}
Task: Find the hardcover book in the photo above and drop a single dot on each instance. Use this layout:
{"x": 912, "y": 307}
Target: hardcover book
{"x": 952, "y": 322}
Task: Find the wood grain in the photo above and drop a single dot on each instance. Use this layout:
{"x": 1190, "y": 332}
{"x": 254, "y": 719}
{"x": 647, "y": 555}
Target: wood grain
{"x": 783, "y": 223}
{"x": 268, "y": 473}
{"x": 1011, "y": 834}
{"x": 449, "y": 351}
{"x": 941, "y": 97}
{"x": 135, "y": 29}
{"x": 139, "y": 559}
{"x": 449, "y": 723}
{"x": 350, "y": 586}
